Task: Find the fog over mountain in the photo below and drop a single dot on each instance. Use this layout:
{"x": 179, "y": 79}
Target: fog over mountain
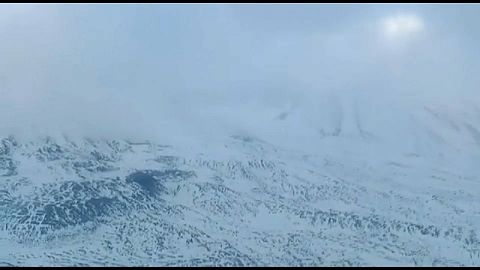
{"x": 359, "y": 86}
{"x": 92, "y": 68}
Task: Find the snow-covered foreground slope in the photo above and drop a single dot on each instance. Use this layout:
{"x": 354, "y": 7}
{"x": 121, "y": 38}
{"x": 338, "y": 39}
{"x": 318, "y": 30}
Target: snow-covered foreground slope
{"x": 242, "y": 202}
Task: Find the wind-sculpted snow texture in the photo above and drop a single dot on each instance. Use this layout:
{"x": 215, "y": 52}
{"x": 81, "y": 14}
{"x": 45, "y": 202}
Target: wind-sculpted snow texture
{"x": 107, "y": 202}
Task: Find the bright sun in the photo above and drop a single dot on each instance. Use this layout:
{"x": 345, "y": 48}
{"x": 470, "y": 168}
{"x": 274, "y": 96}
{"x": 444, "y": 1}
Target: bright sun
{"x": 401, "y": 27}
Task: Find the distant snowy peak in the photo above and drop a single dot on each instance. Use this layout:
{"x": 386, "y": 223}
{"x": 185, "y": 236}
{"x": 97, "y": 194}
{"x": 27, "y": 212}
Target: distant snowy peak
{"x": 413, "y": 127}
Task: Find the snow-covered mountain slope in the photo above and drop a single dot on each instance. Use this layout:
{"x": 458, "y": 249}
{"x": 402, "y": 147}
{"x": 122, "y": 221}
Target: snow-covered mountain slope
{"x": 243, "y": 202}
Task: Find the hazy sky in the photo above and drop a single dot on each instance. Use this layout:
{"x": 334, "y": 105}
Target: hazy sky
{"x": 179, "y": 69}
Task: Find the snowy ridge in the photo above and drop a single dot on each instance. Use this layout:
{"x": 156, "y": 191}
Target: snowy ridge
{"x": 112, "y": 202}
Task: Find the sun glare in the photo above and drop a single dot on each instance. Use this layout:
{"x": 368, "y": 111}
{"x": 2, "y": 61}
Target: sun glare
{"x": 401, "y": 27}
